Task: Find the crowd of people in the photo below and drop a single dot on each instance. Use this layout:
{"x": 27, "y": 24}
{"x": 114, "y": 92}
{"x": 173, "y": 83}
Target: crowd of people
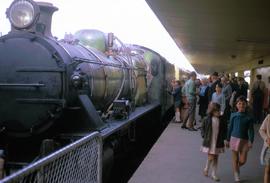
{"x": 226, "y": 117}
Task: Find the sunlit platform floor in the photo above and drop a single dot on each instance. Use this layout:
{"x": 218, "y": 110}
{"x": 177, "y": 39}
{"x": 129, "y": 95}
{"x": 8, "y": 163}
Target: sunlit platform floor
{"x": 176, "y": 158}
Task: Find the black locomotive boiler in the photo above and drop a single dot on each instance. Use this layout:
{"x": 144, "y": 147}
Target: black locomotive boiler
{"x": 64, "y": 89}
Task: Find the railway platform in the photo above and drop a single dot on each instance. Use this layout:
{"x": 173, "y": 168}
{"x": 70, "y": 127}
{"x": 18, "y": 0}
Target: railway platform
{"x": 176, "y": 158}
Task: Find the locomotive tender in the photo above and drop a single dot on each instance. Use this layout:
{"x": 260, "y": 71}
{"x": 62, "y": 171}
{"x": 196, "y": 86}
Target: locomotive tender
{"x": 64, "y": 89}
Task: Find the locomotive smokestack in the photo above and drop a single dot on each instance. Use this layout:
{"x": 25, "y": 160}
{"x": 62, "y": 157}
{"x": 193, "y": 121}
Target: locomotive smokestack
{"x": 45, "y": 20}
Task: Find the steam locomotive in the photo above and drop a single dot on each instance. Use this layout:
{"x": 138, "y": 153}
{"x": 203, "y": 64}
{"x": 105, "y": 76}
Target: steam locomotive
{"x": 64, "y": 89}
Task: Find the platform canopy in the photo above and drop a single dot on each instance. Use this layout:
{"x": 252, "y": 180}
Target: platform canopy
{"x": 217, "y": 35}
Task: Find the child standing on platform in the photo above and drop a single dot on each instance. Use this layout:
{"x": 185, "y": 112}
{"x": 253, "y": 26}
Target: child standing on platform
{"x": 240, "y": 135}
{"x": 214, "y": 130}
{"x": 265, "y": 155}
{"x": 177, "y": 94}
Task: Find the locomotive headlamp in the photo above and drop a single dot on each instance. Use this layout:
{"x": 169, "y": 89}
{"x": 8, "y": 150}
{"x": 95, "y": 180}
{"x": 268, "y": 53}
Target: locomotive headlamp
{"x": 22, "y": 13}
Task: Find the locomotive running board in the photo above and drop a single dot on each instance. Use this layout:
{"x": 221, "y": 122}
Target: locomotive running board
{"x": 116, "y": 125}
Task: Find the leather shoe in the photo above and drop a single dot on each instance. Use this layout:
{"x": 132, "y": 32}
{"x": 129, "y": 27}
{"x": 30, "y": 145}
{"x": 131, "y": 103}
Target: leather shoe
{"x": 184, "y": 127}
{"x": 192, "y": 129}
{"x": 215, "y": 178}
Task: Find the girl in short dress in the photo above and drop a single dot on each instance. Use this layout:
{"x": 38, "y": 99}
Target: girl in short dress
{"x": 265, "y": 155}
{"x": 240, "y": 135}
{"x": 214, "y": 130}
{"x": 177, "y": 94}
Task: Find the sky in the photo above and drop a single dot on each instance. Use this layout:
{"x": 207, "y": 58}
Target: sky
{"x": 132, "y": 21}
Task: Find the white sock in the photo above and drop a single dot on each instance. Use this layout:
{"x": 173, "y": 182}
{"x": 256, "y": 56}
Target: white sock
{"x": 214, "y": 169}
{"x": 177, "y": 116}
{"x": 208, "y": 164}
{"x": 236, "y": 176}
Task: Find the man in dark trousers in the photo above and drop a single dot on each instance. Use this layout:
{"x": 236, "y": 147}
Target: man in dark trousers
{"x": 215, "y": 80}
{"x": 257, "y": 97}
